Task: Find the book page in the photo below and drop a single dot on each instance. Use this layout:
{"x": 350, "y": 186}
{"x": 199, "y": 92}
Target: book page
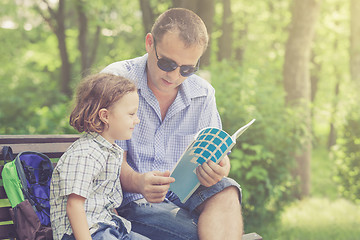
{"x": 241, "y": 130}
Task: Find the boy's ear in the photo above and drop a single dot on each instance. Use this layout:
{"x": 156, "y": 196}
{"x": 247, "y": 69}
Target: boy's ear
{"x": 104, "y": 115}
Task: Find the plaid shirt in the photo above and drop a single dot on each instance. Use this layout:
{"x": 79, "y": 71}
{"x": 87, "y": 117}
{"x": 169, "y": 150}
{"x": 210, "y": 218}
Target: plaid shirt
{"x": 89, "y": 168}
{"x": 157, "y": 144}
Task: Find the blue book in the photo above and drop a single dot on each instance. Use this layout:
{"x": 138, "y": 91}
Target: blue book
{"x": 209, "y": 144}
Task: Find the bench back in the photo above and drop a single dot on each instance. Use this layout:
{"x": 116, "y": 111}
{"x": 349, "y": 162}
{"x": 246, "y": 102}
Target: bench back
{"x": 51, "y": 145}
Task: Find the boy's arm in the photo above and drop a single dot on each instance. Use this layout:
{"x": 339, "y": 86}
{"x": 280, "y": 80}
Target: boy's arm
{"x": 76, "y": 213}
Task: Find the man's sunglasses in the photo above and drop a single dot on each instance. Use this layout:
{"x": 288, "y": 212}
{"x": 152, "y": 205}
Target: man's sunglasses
{"x": 169, "y": 65}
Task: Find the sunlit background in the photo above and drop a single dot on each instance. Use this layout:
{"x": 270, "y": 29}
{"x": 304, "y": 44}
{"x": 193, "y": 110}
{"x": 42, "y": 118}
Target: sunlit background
{"x": 294, "y": 65}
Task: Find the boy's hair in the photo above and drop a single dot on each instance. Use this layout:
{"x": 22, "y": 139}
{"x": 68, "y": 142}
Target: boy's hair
{"x": 189, "y": 26}
{"x": 94, "y": 93}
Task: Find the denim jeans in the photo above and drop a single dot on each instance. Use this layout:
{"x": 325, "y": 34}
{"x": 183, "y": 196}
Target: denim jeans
{"x": 171, "y": 219}
{"x": 109, "y": 232}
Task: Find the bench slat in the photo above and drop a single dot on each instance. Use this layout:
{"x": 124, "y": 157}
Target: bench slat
{"x": 7, "y": 231}
{"x": 2, "y": 193}
{"x": 251, "y": 236}
{"x": 51, "y": 145}
{"x": 16, "y": 139}
{"x": 50, "y": 149}
{"x": 5, "y": 214}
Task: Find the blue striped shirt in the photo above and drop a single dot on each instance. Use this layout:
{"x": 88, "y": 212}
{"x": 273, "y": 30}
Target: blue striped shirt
{"x": 157, "y": 144}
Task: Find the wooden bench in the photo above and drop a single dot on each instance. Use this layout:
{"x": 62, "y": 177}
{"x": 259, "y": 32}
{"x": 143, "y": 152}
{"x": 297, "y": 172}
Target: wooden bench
{"x": 53, "y": 146}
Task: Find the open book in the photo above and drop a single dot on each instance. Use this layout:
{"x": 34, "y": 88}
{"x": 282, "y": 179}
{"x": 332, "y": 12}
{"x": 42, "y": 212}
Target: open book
{"x": 209, "y": 143}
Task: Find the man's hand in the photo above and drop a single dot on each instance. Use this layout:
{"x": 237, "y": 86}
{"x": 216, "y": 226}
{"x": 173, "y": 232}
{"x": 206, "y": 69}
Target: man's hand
{"x": 209, "y": 173}
{"x": 154, "y": 185}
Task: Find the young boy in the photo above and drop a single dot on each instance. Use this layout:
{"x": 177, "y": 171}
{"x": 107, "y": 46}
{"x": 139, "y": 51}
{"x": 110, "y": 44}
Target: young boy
{"x": 85, "y": 186}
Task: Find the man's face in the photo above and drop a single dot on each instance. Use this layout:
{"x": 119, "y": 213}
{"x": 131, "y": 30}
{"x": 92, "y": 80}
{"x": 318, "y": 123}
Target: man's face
{"x": 172, "y": 48}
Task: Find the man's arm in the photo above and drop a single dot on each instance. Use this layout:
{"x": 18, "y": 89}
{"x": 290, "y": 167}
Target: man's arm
{"x": 76, "y": 213}
{"x": 209, "y": 173}
{"x": 152, "y": 185}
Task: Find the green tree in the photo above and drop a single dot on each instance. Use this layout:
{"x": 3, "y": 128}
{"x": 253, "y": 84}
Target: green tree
{"x": 355, "y": 41}
{"x": 348, "y": 148}
{"x": 297, "y": 79}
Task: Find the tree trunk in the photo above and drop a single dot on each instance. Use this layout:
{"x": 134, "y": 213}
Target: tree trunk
{"x": 82, "y": 42}
{"x": 147, "y": 15}
{"x": 65, "y": 66}
{"x": 189, "y": 4}
{"x": 206, "y": 11}
{"x": 314, "y": 82}
{"x": 355, "y": 41}
{"x": 297, "y": 79}
{"x": 332, "y": 133}
{"x": 240, "y": 50}
{"x": 226, "y": 39}
{"x": 56, "y": 22}
{"x": 314, "y": 77}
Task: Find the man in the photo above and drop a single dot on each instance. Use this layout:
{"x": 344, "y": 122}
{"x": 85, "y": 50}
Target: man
{"x": 174, "y": 106}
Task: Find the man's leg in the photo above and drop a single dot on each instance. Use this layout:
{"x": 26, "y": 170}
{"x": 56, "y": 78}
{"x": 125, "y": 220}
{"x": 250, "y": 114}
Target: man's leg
{"x": 219, "y": 207}
{"x": 168, "y": 221}
{"x": 160, "y": 220}
{"x": 220, "y": 216}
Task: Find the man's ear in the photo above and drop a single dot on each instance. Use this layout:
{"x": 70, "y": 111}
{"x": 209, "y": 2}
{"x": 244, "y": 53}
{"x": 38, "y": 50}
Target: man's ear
{"x": 104, "y": 115}
{"x": 149, "y": 42}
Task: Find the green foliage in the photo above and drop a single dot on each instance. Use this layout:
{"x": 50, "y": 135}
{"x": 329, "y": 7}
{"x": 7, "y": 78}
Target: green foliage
{"x": 247, "y": 86}
{"x": 28, "y": 85}
{"x": 31, "y": 102}
{"x": 348, "y": 157}
{"x": 315, "y": 218}
{"x": 323, "y": 170}
{"x": 262, "y": 159}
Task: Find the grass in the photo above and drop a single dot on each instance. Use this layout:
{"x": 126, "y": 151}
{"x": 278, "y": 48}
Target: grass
{"x": 321, "y": 216}
{"x": 322, "y": 172}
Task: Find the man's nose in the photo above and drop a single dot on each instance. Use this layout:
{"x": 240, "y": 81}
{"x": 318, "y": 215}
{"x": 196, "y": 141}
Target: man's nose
{"x": 174, "y": 74}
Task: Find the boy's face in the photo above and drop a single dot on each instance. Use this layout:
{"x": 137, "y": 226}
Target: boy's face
{"x": 122, "y": 118}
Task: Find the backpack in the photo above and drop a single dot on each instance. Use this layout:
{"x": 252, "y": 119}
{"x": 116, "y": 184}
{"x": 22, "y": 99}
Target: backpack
{"x": 26, "y": 180}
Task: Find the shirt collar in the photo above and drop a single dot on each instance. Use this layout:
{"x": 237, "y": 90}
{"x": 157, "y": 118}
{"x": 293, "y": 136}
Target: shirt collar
{"x": 103, "y": 142}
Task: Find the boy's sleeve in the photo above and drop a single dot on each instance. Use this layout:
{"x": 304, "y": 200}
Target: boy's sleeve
{"x": 76, "y": 175}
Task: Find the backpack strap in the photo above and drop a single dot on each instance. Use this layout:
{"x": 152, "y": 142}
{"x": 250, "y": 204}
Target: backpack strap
{"x": 7, "y": 154}
{"x": 29, "y": 173}
{"x": 45, "y": 173}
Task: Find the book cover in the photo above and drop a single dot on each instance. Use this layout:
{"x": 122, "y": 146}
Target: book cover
{"x": 209, "y": 144}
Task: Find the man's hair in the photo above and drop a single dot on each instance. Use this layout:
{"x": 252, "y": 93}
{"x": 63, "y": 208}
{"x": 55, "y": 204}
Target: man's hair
{"x": 189, "y": 26}
{"x": 95, "y": 92}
